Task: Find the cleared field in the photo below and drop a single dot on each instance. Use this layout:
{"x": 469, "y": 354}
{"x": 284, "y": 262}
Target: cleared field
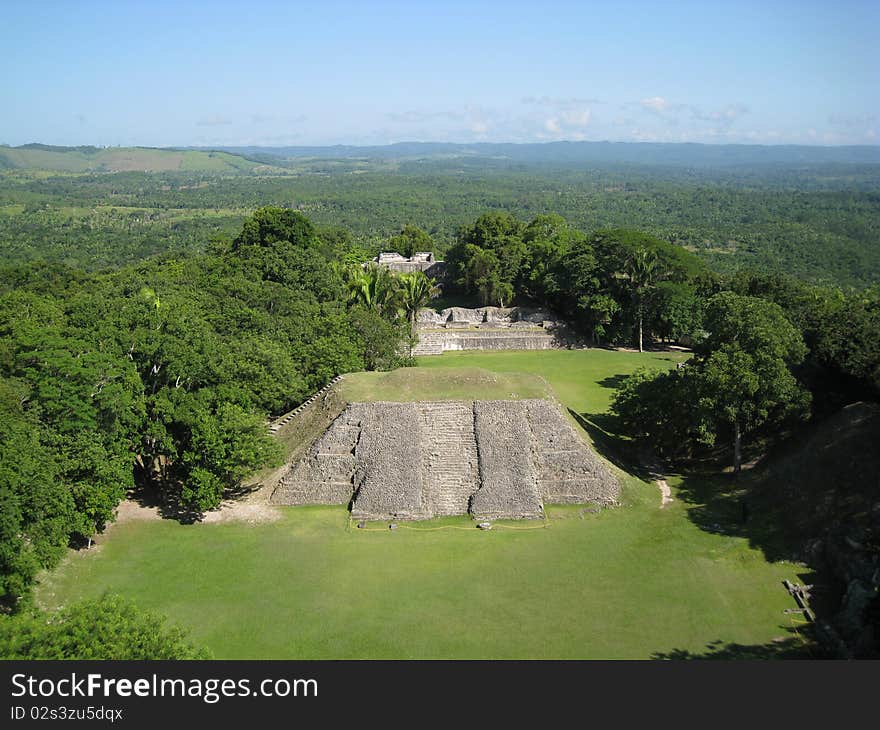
{"x": 623, "y": 583}
{"x": 122, "y": 159}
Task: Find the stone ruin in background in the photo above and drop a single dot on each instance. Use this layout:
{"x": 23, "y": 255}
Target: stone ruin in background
{"x": 419, "y": 261}
{"x": 487, "y": 328}
{"x": 413, "y": 461}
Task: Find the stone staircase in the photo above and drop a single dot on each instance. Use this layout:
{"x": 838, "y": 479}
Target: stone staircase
{"x": 450, "y": 457}
{"x": 430, "y": 343}
{"x": 325, "y": 475}
{"x": 282, "y": 421}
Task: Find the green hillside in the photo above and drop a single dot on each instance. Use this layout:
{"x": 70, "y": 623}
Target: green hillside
{"x": 122, "y": 159}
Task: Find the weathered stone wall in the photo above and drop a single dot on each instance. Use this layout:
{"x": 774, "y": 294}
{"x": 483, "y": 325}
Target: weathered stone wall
{"x": 487, "y": 315}
{"x": 324, "y": 475}
{"x": 509, "y": 484}
{"x": 436, "y": 342}
{"x": 485, "y": 328}
{"x": 567, "y": 472}
{"x": 388, "y": 475}
{"x": 494, "y": 459}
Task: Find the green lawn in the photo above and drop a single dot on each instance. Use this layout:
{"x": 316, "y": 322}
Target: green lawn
{"x": 455, "y": 383}
{"x": 624, "y": 583}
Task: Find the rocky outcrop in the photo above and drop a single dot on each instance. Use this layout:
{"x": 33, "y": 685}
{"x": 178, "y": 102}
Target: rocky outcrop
{"x": 410, "y": 461}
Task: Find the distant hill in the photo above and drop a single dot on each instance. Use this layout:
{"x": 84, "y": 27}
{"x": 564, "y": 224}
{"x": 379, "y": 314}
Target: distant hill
{"x": 642, "y": 153}
{"x": 123, "y": 159}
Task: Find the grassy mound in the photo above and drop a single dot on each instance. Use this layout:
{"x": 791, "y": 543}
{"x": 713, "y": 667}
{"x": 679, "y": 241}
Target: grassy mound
{"x": 459, "y": 383}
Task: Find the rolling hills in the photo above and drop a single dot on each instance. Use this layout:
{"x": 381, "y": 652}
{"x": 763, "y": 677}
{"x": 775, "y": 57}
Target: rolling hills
{"x": 122, "y": 159}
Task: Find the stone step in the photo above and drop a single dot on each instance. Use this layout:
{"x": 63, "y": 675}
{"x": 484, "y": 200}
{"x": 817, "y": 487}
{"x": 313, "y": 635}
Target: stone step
{"x": 451, "y": 458}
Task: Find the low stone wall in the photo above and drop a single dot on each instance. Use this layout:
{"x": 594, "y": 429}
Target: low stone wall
{"x": 282, "y": 421}
{"x": 494, "y": 459}
{"x": 486, "y": 328}
{"x": 436, "y": 342}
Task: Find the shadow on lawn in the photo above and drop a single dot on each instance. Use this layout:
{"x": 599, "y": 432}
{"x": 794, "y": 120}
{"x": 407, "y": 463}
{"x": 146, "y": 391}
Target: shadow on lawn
{"x": 793, "y": 646}
{"x": 612, "y": 382}
{"x": 718, "y": 503}
{"x": 617, "y": 450}
{"x": 146, "y": 494}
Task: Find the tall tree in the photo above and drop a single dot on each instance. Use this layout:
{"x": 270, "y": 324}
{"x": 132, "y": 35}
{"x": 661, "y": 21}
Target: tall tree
{"x": 374, "y": 287}
{"x": 416, "y": 290}
{"x": 739, "y": 381}
{"x": 410, "y": 240}
{"x": 642, "y": 268}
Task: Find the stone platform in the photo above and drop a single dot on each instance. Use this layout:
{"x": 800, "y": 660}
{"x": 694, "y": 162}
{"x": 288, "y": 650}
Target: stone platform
{"x": 490, "y": 459}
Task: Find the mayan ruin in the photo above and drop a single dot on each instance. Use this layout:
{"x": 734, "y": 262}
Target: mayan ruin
{"x": 419, "y": 261}
{"x": 486, "y": 328}
{"x": 412, "y": 461}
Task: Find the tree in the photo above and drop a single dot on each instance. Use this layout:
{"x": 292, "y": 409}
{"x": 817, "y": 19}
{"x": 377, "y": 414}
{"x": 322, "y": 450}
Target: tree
{"x": 373, "y": 287}
{"x": 676, "y": 311}
{"x": 416, "y": 290}
{"x": 483, "y": 276}
{"x": 739, "y": 382}
{"x": 409, "y": 240}
{"x": 642, "y": 268}
{"x": 107, "y": 628}
{"x": 378, "y": 339}
{"x": 744, "y": 368}
{"x": 271, "y": 224}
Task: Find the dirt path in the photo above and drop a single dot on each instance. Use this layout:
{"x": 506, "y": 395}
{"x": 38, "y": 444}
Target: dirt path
{"x": 665, "y": 493}
{"x": 253, "y": 508}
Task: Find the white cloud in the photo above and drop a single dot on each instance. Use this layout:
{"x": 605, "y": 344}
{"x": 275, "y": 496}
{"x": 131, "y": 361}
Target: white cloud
{"x": 656, "y": 104}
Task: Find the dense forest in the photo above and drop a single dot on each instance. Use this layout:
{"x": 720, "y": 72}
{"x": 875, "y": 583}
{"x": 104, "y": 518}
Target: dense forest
{"x": 818, "y": 221}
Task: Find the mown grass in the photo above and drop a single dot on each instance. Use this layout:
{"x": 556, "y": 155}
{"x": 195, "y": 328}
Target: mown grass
{"x": 631, "y": 582}
{"x": 463, "y": 383}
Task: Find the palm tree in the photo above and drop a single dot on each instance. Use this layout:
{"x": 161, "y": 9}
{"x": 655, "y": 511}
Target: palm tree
{"x": 642, "y": 267}
{"x": 416, "y": 290}
{"x": 372, "y": 286}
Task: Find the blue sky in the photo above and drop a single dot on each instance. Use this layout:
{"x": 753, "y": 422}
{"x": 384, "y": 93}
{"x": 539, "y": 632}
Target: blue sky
{"x": 290, "y": 73}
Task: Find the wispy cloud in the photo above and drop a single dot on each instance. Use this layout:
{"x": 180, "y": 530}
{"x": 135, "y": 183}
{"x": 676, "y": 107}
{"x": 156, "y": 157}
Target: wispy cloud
{"x": 213, "y": 120}
{"x": 557, "y": 102}
{"x": 414, "y": 116}
{"x": 657, "y": 104}
{"x": 851, "y": 122}
{"x": 728, "y": 114}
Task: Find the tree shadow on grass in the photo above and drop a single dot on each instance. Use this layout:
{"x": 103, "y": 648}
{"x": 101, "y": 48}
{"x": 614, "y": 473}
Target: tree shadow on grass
{"x": 601, "y": 428}
{"x": 797, "y": 645}
{"x": 722, "y": 503}
{"x": 612, "y": 382}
